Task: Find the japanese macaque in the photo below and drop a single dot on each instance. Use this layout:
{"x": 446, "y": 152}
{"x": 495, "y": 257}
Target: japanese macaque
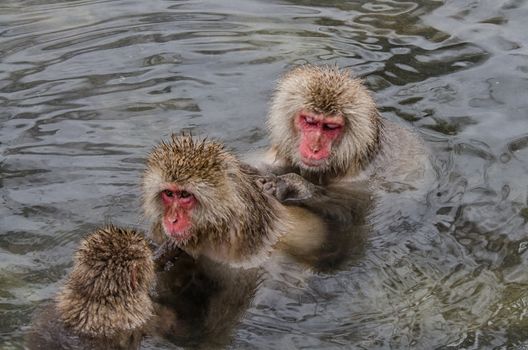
{"x": 105, "y": 302}
{"x": 206, "y": 202}
{"x": 324, "y": 125}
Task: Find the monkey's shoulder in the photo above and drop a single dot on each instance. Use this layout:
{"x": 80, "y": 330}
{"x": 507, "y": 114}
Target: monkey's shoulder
{"x": 403, "y": 155}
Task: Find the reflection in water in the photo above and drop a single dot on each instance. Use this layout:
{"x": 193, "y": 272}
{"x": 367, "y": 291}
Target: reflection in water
{"x": 88, "y": 86}
{"x": 199, "y": 302}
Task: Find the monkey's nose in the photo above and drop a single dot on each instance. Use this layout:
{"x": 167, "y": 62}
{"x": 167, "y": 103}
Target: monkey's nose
{"x": 174, "y": 220}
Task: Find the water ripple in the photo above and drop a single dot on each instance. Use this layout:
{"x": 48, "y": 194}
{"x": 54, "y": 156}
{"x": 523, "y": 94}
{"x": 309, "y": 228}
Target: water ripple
{"x": 88, "y": 86}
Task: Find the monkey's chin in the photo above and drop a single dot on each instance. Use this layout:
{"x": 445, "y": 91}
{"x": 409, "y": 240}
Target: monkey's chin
{"x": 313, "y": 164}
{"x": 179, "y": 237}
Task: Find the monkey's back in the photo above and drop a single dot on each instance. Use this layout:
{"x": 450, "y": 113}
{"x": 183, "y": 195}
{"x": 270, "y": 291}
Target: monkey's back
{"x": 49, "y": 332}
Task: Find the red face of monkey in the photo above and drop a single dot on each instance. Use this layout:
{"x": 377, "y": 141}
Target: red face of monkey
{"x": 318, "y": 134}
{"x": 177, "y": 208}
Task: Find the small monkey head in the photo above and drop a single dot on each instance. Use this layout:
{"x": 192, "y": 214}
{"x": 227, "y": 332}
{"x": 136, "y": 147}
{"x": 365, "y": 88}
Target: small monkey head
{"x": 107, "y": 290}
{"x": 119, "y": 259}
{"x": 189, "y": 186}
{"x": 321, "y": 119}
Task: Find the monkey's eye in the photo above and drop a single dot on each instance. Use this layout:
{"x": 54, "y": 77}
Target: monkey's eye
{"x": 185, "y": 194}
{"x": 168, "y": 193}
{"x": 331, "y": 126}
{"x": 309, "y": 120}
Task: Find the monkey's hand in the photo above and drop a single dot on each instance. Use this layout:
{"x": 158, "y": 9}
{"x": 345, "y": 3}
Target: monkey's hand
{"x": 265, "y": 180}
{"x": 267, "y": 184}
{"x": 165, "y": 253}
{"x": 292, "y": 188}
{"x": 288, "y": 188}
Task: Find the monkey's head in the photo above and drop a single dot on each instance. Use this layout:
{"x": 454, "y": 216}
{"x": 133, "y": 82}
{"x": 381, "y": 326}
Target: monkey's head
{"x": 107, "y": 290}
{"x": 192, "y": 186}
{"x": 321, "y": 119}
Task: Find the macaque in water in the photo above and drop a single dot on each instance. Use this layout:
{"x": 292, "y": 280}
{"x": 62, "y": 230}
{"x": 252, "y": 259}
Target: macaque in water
{"x": 206, "y": 202}
{"x": 119, "y": 291}
{"x": 201, "y": 199}
{"x": 324, "y": 125}
{"x": 105, "y": 302}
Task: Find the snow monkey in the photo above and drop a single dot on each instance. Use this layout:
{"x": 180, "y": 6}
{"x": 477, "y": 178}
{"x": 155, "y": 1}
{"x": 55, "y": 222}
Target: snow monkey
{"x": 204, "y": 200}
{"x": 324, "y": 125}
{"x": 105, "y": 302}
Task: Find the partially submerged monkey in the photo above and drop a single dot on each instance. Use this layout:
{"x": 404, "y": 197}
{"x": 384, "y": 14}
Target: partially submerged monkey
{"x": 324, "y": 125}
{"x": 109, "y": 300}
{"x": 201, "y": 199}
{"x": 208, "y": 203}
{"x": 105, "y": 302}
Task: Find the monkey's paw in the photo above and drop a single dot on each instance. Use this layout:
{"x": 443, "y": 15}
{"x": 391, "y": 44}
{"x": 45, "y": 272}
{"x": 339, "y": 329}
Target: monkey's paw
{"x": 268, "y": 184}
{"x": 291, "y": 188}
{"x": 288, "y": 188}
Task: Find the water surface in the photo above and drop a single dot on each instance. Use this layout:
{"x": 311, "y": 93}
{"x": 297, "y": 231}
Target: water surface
{"x": 87, "y": 87}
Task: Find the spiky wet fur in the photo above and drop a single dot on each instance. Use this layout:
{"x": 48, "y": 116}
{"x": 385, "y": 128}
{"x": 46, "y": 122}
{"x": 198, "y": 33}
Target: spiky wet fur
{"x": 107, "y": 290}
{"x": 333, "y": 92}
{"x": 234, "y": 221}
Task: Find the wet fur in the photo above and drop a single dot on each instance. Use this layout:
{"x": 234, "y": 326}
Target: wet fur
{"x": 104, "y": 303}
{"x": 235, "y": 222}
{"x": 331, "y": 91}
{"x": 369, "y": 143}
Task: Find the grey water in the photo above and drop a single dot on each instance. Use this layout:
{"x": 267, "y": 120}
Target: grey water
{"x": 87, "y": 87}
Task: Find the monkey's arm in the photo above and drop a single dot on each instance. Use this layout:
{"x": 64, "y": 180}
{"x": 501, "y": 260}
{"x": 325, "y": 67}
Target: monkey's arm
{"x": 286, "y": 188}
{"x": 343, "y": 202}
{"x": 293, "y": 189}
{"x": 327, "y": 221}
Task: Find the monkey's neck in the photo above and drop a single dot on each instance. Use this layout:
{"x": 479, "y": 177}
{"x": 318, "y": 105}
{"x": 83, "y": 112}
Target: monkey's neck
{"x": 105, "y": 316}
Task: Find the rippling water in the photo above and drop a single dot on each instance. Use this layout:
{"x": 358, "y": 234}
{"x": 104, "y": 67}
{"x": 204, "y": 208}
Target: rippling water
{"x": 87, "y": 87}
